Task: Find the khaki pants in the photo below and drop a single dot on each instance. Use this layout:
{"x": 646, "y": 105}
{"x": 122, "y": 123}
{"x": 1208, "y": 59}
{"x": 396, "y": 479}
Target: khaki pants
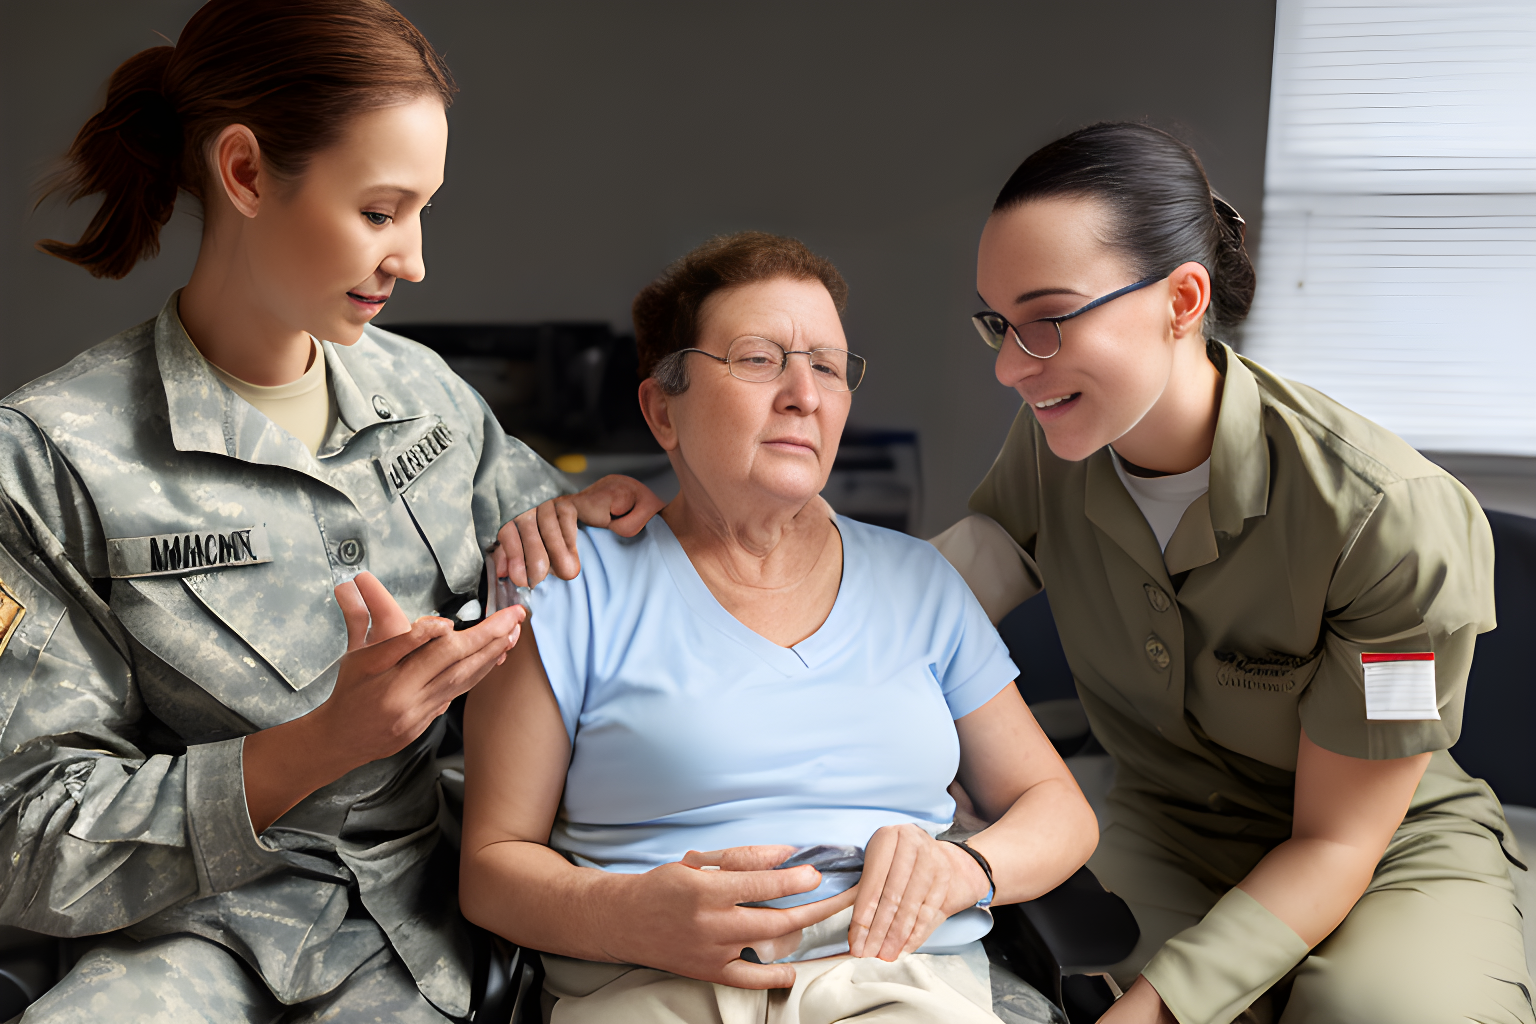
{"x": 918, "y": 988}
{"x": 1436, "y": 937}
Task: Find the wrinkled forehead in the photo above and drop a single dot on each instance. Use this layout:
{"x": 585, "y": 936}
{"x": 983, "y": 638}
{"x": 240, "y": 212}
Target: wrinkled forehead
{"x": 796, "y": 314}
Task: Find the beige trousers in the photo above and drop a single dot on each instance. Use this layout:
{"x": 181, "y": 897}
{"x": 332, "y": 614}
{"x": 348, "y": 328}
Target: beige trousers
{"x": 1435, "y": 939}
{"x": 919, "y": 988}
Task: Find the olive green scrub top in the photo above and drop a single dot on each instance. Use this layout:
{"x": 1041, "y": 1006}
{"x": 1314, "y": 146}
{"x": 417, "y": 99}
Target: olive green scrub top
{"x": 1322, "y": 537}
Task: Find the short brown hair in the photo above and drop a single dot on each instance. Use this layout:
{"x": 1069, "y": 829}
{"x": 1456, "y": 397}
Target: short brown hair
{"x": 666, "y": 312}
{"x": 294, "y": 72}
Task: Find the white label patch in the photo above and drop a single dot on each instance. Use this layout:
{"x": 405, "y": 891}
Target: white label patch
{"x": 1400, "y": 687}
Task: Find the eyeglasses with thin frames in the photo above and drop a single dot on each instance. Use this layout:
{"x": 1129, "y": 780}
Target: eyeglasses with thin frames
{"x": 1042, "y": 338}
{"x": 759, "y": 360}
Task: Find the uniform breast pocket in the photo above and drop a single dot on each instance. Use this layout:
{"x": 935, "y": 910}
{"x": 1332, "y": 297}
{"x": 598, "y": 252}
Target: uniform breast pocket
{"x": 434, "y": 475}
{"x": 266, "y": 586}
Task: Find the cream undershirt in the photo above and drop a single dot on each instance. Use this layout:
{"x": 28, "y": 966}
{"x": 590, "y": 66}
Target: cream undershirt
{"x": 1163, "y": 500}
{"x": 305, "y": 407}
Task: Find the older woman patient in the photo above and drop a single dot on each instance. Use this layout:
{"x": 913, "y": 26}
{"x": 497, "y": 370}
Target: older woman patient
{"x": 758, "y": 678}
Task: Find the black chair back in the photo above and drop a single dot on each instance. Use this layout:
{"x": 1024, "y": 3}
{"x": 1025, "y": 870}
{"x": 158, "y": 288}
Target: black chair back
{"x": 1500, "y": 716}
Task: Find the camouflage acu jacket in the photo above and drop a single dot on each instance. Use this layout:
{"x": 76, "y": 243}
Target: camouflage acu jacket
{"x": 167, "y": 556}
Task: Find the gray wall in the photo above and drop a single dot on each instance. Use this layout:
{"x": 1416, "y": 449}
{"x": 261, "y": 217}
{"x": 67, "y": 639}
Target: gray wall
{"x": 594, "y": 142}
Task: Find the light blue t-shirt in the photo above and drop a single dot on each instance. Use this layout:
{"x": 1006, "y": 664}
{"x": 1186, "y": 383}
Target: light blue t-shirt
{"x": 690, "y": 731}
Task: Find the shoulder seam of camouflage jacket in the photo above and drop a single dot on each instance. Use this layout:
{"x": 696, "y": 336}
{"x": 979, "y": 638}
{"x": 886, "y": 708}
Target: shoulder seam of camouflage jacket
{"x": 135, "y": 442}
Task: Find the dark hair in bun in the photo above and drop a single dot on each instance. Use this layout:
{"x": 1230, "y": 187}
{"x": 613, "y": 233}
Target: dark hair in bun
{"x": 1165, "y": 212}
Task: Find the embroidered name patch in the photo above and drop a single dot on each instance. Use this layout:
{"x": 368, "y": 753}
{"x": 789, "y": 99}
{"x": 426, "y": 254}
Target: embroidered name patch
{"x": 11, "y": 613}
{"x": 1400, "y": 687}
{"x": 1272, "y": 673}
{"x": 401, "y": 466}
{"x": 169, "y": 553}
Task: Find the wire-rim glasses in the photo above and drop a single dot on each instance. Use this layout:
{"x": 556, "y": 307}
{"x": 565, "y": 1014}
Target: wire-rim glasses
{"x": 759, "y": 360}
{"x": 1042, "y": 338}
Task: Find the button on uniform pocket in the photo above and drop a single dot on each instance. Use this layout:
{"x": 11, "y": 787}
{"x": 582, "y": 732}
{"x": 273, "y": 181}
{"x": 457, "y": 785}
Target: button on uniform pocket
{"x": 350, "y": 551}
{"x": 1157, "y": 654}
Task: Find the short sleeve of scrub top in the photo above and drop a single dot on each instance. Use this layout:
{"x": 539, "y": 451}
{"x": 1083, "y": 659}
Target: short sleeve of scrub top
{"x": 690, "y": 731}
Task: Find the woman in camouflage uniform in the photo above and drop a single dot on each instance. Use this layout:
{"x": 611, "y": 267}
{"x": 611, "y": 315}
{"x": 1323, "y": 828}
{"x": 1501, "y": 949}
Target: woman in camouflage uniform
{"x": 201, "y": 517}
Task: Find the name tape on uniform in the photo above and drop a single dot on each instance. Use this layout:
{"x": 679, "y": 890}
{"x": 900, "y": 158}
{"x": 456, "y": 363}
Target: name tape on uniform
{"x": 401, "y": 466}
{"x": 170, "y": 553}
{"x": 1400, "y": 687}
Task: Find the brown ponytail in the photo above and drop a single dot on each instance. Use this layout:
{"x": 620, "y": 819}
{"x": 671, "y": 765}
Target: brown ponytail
{"x": 292, "y": 71}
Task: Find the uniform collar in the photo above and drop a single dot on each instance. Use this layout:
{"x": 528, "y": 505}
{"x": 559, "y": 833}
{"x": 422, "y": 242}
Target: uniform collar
{"x": 198, "y": 403}
{"x": 206, "y": 416}
{"x": 367, "y": 384}
{"x": 1110, "y": 507}
{"x": 1239, "y": 488}
{"x": 1240, "y": 451}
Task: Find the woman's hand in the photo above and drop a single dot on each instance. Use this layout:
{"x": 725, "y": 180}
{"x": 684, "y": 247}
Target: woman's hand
{"x": 1140, "y": 1005}
{"x": 685, "y": 918}
{"x": 544, "y": 538}
{"x": 911, "y": 883}
{"x": 396, "y": 678}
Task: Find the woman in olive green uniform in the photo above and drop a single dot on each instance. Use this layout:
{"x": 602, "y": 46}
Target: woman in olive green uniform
{"x": 1268, "y": 602}
{"x": 1269, "y": 605}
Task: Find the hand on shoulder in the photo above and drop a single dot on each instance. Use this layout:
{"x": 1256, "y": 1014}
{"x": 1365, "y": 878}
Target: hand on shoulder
{"x": 543, "y": 539}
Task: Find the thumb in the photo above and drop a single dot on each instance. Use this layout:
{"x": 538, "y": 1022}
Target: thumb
{"x": 617, "y": 493}
{"x": 388, "y": 619}
{"x": 741, "y": 974}
{"x": 355, "y": 611}
{"x": 640, "y": 504}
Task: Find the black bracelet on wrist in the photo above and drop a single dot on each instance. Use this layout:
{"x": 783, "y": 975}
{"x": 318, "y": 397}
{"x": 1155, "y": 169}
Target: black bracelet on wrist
{"x": 985, "y": 901}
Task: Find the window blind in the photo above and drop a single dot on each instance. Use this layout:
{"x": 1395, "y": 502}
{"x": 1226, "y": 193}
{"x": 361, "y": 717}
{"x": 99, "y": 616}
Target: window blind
{"x": 1397, "y": 269}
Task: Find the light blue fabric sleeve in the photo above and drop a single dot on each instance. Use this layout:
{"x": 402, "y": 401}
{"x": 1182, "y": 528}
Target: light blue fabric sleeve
{"x": 564, "y": 621}
{"x": 977, "y": 667}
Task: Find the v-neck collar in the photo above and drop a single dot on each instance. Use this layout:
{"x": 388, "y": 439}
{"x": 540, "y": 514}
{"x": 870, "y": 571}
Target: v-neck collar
{"x": 810, "y": 654}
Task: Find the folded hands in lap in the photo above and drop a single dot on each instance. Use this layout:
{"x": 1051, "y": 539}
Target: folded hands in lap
{"x": 686, "y": 917}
